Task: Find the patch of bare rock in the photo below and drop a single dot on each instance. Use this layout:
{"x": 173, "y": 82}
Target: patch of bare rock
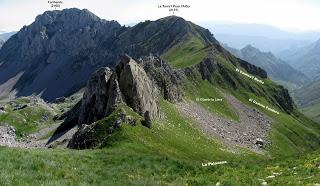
{"x": 8, "y": 139}
{"x": 251, "y": 131}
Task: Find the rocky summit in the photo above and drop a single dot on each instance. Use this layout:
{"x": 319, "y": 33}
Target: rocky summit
{"x": 107, "y": 89}
{"x": 138, "y": 90}
{"x": 138, "y": 84}
{"x": 57, "y": 48}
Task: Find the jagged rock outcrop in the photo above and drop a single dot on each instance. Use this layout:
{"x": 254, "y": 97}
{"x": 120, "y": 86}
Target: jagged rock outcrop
{"x": 60, "y": 47}
{"x": 101, "y": 96}
{"x": 164, "y": 77}
{"x": 66, "y": 47}
{"x": 128, "y": 84}
{"x": 106, "y": 90}
{"x": 138, "y": 90}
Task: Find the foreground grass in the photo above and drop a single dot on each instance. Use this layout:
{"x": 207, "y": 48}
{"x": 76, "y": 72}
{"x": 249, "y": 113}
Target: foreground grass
{"x": 134, "y": 164}
{"x": 171, "y": 153}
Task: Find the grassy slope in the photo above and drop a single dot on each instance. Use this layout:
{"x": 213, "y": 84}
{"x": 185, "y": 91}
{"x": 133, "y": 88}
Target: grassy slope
{"x": 290, "y": 134}
{"x": 203, "y": 89}
{"x": 173, "y": 150}
{"x": 33, "y": 118}
{"x": 29, "y": 119}
{"x": 312, "y": 111}
{"x": 186, "y": 53}
{"x": 170, "y": 153}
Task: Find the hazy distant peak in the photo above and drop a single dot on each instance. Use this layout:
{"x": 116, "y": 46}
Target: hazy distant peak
{"x": 250, "y": 48}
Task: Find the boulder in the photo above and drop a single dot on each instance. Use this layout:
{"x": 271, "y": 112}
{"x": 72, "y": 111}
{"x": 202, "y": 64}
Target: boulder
{"x": 259, "y": 142}
{"x": 163, "y": 76}
{"x": 139, "y": 92}
{"x": 147, "y": 120}
{"x": 101, "y": 96}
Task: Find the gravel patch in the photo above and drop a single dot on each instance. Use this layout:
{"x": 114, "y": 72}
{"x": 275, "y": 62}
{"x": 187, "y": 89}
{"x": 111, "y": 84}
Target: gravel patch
{"x": 251, "y": 131}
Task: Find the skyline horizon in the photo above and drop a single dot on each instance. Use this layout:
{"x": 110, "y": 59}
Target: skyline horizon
{"x": 287, "y": 15}
{"x": 201, "y": 23}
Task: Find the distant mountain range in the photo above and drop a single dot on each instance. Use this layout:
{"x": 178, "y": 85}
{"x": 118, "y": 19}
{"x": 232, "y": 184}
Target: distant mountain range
{"x": 56, "y": 54}
{"x": 277, "y": 69}
{"x": 308, "y": 99}
{"x": 264, "y": 37}
{"x": 6, "y": 35}
{"x": 306, "y": 59}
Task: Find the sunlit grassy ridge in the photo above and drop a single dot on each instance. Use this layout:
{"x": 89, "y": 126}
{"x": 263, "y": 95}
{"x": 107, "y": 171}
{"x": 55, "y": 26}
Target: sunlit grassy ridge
{"x": 186, "y": 53}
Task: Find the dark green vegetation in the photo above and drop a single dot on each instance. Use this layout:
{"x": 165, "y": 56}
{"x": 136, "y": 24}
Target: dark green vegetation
{"x": 308, "y": 95}
{"x": 312, "y": 111}
{"x": 187, "y": 53}
{"x": 170, "y": 153}
{"x": 308, "y": 99}
{"x": 203, "y": 89}
{"x": 134, "y": 164}
{"x": 35, "y": 116}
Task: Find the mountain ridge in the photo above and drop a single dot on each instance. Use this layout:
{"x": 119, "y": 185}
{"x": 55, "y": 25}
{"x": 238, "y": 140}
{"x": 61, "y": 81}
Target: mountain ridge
{"x": 51, "y": 49}
{"x": 277, "y": 69}
{"x": 306, "y": 59}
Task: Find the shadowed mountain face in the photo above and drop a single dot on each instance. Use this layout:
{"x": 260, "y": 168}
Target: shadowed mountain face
{"x": 65, "y": 47}
{"x": 1, "y": 43}
{"x": 55, "y": 55}
{"x": 277, "y": 69}
{"x": 6, "y": 35}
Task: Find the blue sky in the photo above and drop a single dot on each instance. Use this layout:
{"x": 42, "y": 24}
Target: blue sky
{"x": 293, "y": 15}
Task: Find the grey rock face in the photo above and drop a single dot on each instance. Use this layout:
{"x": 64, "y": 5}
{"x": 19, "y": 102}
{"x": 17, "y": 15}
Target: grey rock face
{"x": 138, "y": 84}
{"x": 7, "y": 136}
{"x": 66, "y": 47}
{"x": 164, "y": 77}
{"x": 138, "y": 90}
{"x": 57, "y": 48}
{"x": 101, "y": 96}
{"x": 107, "y": 89}
{"x": 147, "y": 120}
